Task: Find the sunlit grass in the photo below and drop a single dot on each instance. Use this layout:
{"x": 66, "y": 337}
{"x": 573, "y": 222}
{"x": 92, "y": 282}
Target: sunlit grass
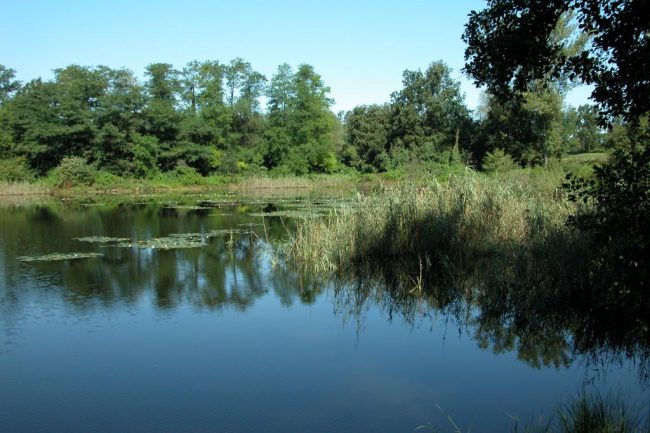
{"x": 467, "y": 218}
{"x": 22, "y": 188}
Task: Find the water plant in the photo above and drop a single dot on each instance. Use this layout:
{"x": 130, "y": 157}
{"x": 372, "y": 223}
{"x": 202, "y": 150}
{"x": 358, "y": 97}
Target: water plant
{"x": 101, "y": 239}
{"x": 56, "y": 257}
{"x": 586, "y": 413}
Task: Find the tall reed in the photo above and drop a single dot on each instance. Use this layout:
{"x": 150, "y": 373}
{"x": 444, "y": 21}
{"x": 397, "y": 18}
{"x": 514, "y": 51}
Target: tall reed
{"x": 466, "y": 219}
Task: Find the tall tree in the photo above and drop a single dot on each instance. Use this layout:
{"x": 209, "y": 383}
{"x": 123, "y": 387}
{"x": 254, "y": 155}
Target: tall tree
{"x": 429, "y": 114}
{"x": 162, "y": 119}
{"x": 280, "y": 94}
{"x": 367, "y": 133}
{"x": 300, "y": 134}
{"x": 8, "y": 85}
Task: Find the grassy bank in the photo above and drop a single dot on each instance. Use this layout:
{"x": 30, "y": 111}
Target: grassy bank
{"x": 164, "y": 184}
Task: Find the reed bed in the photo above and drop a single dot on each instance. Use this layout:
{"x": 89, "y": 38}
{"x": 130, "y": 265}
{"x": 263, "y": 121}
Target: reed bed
{"x": 466, "y": 219}
{"x": 264, "y": 184}
{"x": 22, "y": 188}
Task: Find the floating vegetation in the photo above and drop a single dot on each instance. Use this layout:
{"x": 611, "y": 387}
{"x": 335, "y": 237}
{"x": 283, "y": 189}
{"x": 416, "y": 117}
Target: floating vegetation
{"x": 166, "y": 243}
{"x": 101, "y": 239}
{"x": 302, "y": 214}
{"x": 214, "y": 203}
{"x": 251, "y": 224}
{"x": 57, "y": 257}
{"x": 223, "y": 232}
{"x": 186, "y": 207}
{"x": 181, "y": 240}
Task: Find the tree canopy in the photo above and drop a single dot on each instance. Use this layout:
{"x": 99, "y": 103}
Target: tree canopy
{"x": 510, "y": 45}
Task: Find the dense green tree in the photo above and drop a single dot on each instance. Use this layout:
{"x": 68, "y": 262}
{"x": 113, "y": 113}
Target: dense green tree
{"x": 162, "y": 119}
{"x": 301, "y": 128}
{"x": 530, "y": 125}
{"x": 119, "y": 118}
{"x": 428, "y": 116}
{"x": 530, "y": 131}
{"x": 280, "y": 95}
{"x": 311, "y": 124}
{"x": 582, "y": 133}
{"x": 367, "y": 129}
{"x": 207, "y": 117}
{"x": 52, "y": 120}
{"x": 8, "y": 85}
{"x": 8, "y": 88}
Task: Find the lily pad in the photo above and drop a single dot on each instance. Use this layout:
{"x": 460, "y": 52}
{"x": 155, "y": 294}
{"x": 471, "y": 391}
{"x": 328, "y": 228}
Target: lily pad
{"x": 56, "y": 257}
{"x": 289, "y": 214}
{"x": 101, "y": 239}
{"x": 181, "y": 240}
{"x": 186, "y": 207}
{"x": 165, "y": 243}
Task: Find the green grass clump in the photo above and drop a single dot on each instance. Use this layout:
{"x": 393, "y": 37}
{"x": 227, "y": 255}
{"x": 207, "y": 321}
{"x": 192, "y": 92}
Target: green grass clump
{"x": 592, "y": 414}
{"x": 586, "y": 413}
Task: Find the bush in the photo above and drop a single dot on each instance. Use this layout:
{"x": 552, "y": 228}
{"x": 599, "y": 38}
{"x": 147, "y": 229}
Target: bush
{"x": 73, "y": 171}
{"x": 15, "y": 170}
{"x": 184, "y": 174}
{"x": 498, "y": 161}
{"x": 105, "y": 179}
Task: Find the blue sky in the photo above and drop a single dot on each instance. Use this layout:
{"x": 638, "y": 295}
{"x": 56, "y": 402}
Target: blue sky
{"x": 360, "y": 48}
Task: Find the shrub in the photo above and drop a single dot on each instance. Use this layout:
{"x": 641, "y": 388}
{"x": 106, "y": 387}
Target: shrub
{"x": 498, "y": 161}
{"x": 73, "y": 171}
{"x": 15, "y": 170}
{"x": 185, "y": 174}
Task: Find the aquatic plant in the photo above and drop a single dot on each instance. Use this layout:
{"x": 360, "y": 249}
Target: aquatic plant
{"x": 181, "y": 240}
{"x": 101, "y": 239}
{"x": 592, "y": 413}
{"x": 55, "y": 257}
{"x": 290, "y": 214}
{"x": 586, "y": 413}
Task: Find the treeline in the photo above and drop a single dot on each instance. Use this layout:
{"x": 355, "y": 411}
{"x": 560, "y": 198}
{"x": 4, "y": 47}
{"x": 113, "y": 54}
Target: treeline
{"x": 210, "y": 117}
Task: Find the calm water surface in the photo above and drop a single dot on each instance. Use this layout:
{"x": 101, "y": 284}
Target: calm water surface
{"x": 216, "y": 339}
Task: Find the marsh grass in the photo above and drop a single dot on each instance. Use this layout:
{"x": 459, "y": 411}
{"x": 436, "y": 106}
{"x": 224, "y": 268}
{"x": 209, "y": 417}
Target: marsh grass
{"x": 592, "y": 413}
{"x": 291, "y": 186}
{"x": 22, "y": 188}
{"x": 468, "y": 219}
{"x": 586, "y": 413}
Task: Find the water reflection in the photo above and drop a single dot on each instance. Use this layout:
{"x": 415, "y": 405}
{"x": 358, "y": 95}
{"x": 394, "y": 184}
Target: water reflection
{"x": 504, "y": 310}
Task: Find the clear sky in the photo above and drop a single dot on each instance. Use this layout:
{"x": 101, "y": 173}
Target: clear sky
{"x": 360, "y": 48}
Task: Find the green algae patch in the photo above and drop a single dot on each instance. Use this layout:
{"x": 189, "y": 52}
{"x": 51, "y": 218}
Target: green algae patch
{"x": 58, "y": 257}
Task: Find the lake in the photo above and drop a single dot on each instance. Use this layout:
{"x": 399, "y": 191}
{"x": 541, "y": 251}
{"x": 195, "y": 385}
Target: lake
{"x": 171, "y": 314}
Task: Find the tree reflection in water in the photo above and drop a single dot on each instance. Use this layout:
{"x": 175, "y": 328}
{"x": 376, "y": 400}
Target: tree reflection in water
{"x": 503, "y": 310}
